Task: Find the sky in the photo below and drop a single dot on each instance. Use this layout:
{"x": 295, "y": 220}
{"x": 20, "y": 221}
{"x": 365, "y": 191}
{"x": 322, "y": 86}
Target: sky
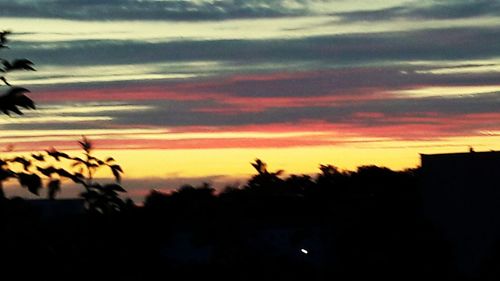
{"x": 189, "y": 91}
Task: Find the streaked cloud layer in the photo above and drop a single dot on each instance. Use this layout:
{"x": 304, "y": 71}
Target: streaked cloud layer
{"x": 364, "y": 79}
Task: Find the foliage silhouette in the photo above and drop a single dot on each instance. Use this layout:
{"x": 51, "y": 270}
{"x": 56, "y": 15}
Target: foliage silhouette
{"x": 14, "y": 97}
{"x": 52, "y": 165}
{"x": 365, "y": 223}
{"x": 265, "y": 182}
{"x": 10, "y": 101}
{"x": 101, "y": 198}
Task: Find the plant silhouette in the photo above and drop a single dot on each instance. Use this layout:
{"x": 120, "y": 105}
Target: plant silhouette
{"x": 14, "y": 97}
{"x": 10, "y": 101}
{"x": 101, "y": 198}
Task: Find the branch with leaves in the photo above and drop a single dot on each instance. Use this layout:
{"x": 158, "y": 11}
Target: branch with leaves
{"x": 14, "y": 97}
{"x": 54, "y": 165}
{"x": 264, "y": 178}
{"x": 101, "y": 198}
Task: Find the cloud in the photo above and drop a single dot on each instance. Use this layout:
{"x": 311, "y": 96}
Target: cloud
{"x": 437, "y": 9}
{"x": 320, "y": 51}
{"x": 202, "y": 10}
{"x": 335, "y": 96}
{"x": 155, "y": 10}
{"x": 433, "y": 79}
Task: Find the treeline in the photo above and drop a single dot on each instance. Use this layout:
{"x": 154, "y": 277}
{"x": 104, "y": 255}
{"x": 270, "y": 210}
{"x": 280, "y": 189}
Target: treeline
{"x": 359, "y": 224}
{"x": 348, "y": 225}
{"x": 270, "y": 194}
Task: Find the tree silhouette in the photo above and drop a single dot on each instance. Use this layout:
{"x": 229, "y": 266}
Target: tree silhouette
{"x": 264, "y": 179}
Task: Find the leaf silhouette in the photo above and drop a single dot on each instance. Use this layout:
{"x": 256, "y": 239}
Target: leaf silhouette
{"x": 38, "y": 157}
{"x": 78, "y": 178}
{"x": 278, "y": 172}
{"x": 85, "y": 144}
{"x": 260, "y": 166}
{"x": 64, "y": 173}
{"x": 26, "y": 163}
{"x": 327, "y": 170}
{"x": 89, "y": 195}
{"x": 54, "y": 187}
{"x": 18, "y": 64}
{"x": 14, "y": 98}
{"x": 3, "y": 38}
{"x": 114, "y": 187}
{"x": 116, "y": 170}
{"x": 32, "y": 181}
{"x": 47, "y": 171}
{"x": 78, "y": 161}
{"x": 4, "y": 80}
{"x": 96, "y": 186}
{"x": 56, "y": 154}
{"x": 5, "y": 174}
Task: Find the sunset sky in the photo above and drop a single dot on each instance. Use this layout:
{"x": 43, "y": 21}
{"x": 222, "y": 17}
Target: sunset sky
{"x": 186, "y": 91}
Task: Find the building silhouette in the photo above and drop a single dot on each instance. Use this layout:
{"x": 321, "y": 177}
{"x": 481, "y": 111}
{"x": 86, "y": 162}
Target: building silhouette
{"x": 461, "y": 196}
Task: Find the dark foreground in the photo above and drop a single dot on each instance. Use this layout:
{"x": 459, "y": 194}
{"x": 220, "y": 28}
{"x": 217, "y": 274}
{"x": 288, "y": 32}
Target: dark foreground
{"x": 359, "y": 226}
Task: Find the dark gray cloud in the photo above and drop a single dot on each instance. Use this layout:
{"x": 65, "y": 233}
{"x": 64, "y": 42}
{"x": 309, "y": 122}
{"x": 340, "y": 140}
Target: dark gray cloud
{"x": 393, "y": 110}
{"x": 352, "y": 66}
{"x": 234, "y": 9}
{"x": 439, "y": 9}
{"x": 150, "y": 10}
{"x": 354, "y": 86}
{"x": 339, "y": 85}
{"x": 343, "y": 113}
{"x": 345, "y": 82}
{"x": 434, "y": 44}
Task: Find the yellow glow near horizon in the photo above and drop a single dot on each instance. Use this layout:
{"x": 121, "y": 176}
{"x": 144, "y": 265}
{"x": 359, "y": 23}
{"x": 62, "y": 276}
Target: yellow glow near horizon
{"x": 396, "y": 155}
{"x": 235, "y": 162}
